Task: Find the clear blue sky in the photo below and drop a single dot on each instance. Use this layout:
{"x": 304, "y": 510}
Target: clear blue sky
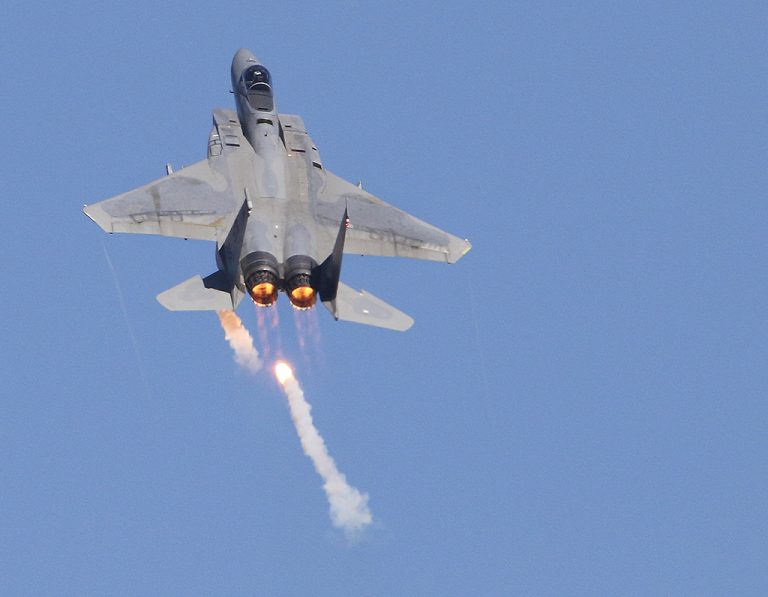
{"x": 580, "y": 408}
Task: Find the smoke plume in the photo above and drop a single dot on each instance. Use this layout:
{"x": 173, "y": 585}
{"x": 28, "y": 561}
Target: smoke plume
{"x": 240, "y": 340}
{"x": 349, "y": 507}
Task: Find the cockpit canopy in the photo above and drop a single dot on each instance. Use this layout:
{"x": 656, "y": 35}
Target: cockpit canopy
{"x": 258, "y": 86}
{"x": 256, "y": 78}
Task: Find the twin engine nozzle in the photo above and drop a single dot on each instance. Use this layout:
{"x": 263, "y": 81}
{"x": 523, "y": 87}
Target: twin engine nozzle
{"x": 263, "y": 282}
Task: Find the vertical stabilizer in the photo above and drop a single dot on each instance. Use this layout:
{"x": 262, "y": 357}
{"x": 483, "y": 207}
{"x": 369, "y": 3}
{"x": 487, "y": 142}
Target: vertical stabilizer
{"x": 329, "y": 272}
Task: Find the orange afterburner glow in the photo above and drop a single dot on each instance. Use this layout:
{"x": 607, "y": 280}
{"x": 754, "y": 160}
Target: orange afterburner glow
{"x": 283, "y": 372}
{"x": 302, "y": 297}
{"x": 264, "y": 294}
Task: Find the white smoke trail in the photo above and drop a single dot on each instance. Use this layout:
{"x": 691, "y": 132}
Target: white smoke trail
{"x": 349, "y": 507}
{"x": 240, "y": 340}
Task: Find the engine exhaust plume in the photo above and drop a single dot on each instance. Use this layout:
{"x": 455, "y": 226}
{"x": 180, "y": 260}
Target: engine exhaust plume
{"x": 240, "y": 340}
{"x": 349, "y": 507}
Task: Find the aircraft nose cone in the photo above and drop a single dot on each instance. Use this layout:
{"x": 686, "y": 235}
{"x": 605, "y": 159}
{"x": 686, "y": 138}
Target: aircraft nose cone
{"x": 242, "y": 59}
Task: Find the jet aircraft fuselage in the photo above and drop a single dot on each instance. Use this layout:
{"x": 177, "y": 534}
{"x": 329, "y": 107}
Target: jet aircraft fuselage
{"x": 279, "y": 247}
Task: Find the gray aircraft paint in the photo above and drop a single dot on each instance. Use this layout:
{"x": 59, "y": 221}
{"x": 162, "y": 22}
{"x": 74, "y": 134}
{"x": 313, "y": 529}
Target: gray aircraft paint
{"x": 263, "y": 189}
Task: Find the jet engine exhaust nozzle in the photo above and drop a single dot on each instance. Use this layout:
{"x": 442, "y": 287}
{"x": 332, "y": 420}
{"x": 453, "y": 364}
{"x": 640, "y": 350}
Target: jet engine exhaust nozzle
{"x": 261, "y": 280}
{"x": 300, "y": 292}
{"x": 298, "y": 282}
{"x": 263, "y": 289}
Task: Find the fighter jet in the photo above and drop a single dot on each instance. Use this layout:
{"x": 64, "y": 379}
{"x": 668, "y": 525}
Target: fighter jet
{"x": 281, "y": 221}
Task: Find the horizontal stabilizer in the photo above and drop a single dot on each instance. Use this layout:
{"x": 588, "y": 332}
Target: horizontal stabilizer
{"x": 197, "y": 294}
{"x": 362, "y": 307}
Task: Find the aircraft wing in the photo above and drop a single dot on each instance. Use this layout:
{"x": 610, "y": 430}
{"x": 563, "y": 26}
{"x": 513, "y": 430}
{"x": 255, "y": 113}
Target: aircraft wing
{"x": 194, "y": 202}
{"x": 378, "y": 228}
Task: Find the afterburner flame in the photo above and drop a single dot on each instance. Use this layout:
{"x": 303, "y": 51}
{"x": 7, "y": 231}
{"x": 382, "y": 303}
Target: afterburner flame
{"x": 264, "y": 294}
{"x": 302, "y": 297}
{"x": 283, "y": 372}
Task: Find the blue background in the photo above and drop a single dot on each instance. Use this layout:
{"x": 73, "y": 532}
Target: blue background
{"x": 580, "y": 408}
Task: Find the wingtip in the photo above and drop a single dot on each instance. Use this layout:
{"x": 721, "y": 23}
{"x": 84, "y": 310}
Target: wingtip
{"x": 458, "y": 248}
{"x": 89, "y": 212}
{"x": 93, "y": 212}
